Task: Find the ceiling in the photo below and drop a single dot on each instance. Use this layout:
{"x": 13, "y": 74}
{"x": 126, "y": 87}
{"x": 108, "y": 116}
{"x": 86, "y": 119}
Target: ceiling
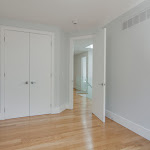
{"x": 60, "y": 13}
{"x": 80, "y": 45}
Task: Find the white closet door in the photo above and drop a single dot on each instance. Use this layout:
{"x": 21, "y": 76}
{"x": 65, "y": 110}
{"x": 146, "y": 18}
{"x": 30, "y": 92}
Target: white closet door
{"x": 17, "y": 74}
{"x": 40, "y": 74}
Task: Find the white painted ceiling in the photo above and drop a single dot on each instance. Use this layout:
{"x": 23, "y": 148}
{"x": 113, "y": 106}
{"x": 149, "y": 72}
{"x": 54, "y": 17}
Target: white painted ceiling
{"x": 80, "y": 45}
{"x": 60, "y": 13}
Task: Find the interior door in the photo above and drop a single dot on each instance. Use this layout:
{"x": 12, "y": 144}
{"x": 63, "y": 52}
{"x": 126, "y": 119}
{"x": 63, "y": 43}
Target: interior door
{"x": 16, "y": 74}
{"x": 99, "y": 72}
{"x": 40, "y": 74}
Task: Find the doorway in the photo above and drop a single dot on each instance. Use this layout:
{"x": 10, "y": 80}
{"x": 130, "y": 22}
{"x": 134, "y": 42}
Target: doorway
{"x": 83, "y": 67}
{"x": 98, "y": 80}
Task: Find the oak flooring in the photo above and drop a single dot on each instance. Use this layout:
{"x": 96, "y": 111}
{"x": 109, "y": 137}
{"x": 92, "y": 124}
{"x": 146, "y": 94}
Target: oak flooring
{"x": 75, "y": 129}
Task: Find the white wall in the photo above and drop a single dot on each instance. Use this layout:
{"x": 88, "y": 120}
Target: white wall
{"x": 77, "y": 69}
{"x": 128, "y": 69}
{"x": 61, "y": 58}
{"x": 63, "y": 69}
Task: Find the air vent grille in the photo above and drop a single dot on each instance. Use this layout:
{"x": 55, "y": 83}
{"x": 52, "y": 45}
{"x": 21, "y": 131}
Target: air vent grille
{"x": 130, "y": 22}
{"x": 125, "y": 25}
{"x": 142, "y": 16}
{"x": 136, "y": 19}
{"x": 148, "y": 13}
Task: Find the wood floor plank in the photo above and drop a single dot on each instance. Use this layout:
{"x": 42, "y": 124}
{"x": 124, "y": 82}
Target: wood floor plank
{"x": 76, "y": 129}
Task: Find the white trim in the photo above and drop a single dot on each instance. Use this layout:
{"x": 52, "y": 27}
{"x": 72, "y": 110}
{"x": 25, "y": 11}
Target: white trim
{"x": 71, "y": 60}
{"x": 129, "y": 124}
{"x": 71, "y": 74}
{"x": 104, "y": 98}
{"x": 82, "y": 37}
{"x": 2, "y": 75}
{"x": 59, "y": 109}
{"x": 26, "y": 30}
{"x": 2, "y": 62}
{"x": 53, "y": 70}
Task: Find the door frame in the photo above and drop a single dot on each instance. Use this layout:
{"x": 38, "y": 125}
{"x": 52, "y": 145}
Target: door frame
{"x": 2, "y": 63}
{"x": 82, "y": 84}
{"x": 71, "y": 66}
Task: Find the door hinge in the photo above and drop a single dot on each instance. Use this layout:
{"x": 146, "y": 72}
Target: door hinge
{"x": 4, "y": 38}
{"x": 51, "y": 43}
{"x": 4, "y": 109}
{"x": 4, "y": 74}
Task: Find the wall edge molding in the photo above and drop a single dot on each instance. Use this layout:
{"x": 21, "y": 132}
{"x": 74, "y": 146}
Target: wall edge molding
{"x": 140, "y": 130}
{"x": 60, "y": 109}
{"x": 56, "y": 110}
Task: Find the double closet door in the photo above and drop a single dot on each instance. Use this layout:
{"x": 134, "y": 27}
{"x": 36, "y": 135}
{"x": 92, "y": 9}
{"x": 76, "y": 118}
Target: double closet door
{"x": 27, "y": 74}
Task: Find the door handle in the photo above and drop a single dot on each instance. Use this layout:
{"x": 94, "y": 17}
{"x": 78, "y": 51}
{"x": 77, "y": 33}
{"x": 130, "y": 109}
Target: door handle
{"x": 26, "y": 82}
{"x": 102, "y": 84}
{"x": 32, "y": 82}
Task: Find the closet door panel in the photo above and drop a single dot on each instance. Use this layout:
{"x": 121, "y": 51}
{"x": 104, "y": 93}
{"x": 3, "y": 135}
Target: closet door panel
{"x": 16, "y": 74}
{"x": 40, "y": 74}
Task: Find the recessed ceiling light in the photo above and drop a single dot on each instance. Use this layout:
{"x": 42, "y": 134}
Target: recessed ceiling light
{"x": 90, "y": 46}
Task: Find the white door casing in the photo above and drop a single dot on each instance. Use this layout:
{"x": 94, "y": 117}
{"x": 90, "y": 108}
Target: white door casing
{"x": 99, "y": 75}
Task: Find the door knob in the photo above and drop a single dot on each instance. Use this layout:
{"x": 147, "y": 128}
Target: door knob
{"x": 102, "y": 84}
{"x": 32, "y": 82}
{"x": 26, "y": 82}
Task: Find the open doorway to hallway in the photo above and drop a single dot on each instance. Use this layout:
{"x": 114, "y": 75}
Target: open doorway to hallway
{"x": 98, "y": 72}
{"x": 83, "y": 67}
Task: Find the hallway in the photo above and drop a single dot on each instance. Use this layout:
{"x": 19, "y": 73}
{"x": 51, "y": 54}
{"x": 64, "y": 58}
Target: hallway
{"x": 72, "y": 129}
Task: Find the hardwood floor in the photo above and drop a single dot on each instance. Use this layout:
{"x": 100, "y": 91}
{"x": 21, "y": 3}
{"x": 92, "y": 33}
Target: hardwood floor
{"x": 74, "y": 129}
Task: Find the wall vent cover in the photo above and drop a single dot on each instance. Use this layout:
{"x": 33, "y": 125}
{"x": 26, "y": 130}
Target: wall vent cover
{"x": 136, "y": 19}
{"x": 125, "y": 25}
{"x": 130, "y": 23}
{"x": 142, "y": 16}
{"x": 148, "y": 13}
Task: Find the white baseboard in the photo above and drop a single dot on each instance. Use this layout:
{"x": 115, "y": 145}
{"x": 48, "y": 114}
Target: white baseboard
{"x": 68, "y": 107}
{"x": 1, "y": 116}
{"x": 129, "y": 124}
{"x": 56, "y": 110}
{"x": 60, "y": 109}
